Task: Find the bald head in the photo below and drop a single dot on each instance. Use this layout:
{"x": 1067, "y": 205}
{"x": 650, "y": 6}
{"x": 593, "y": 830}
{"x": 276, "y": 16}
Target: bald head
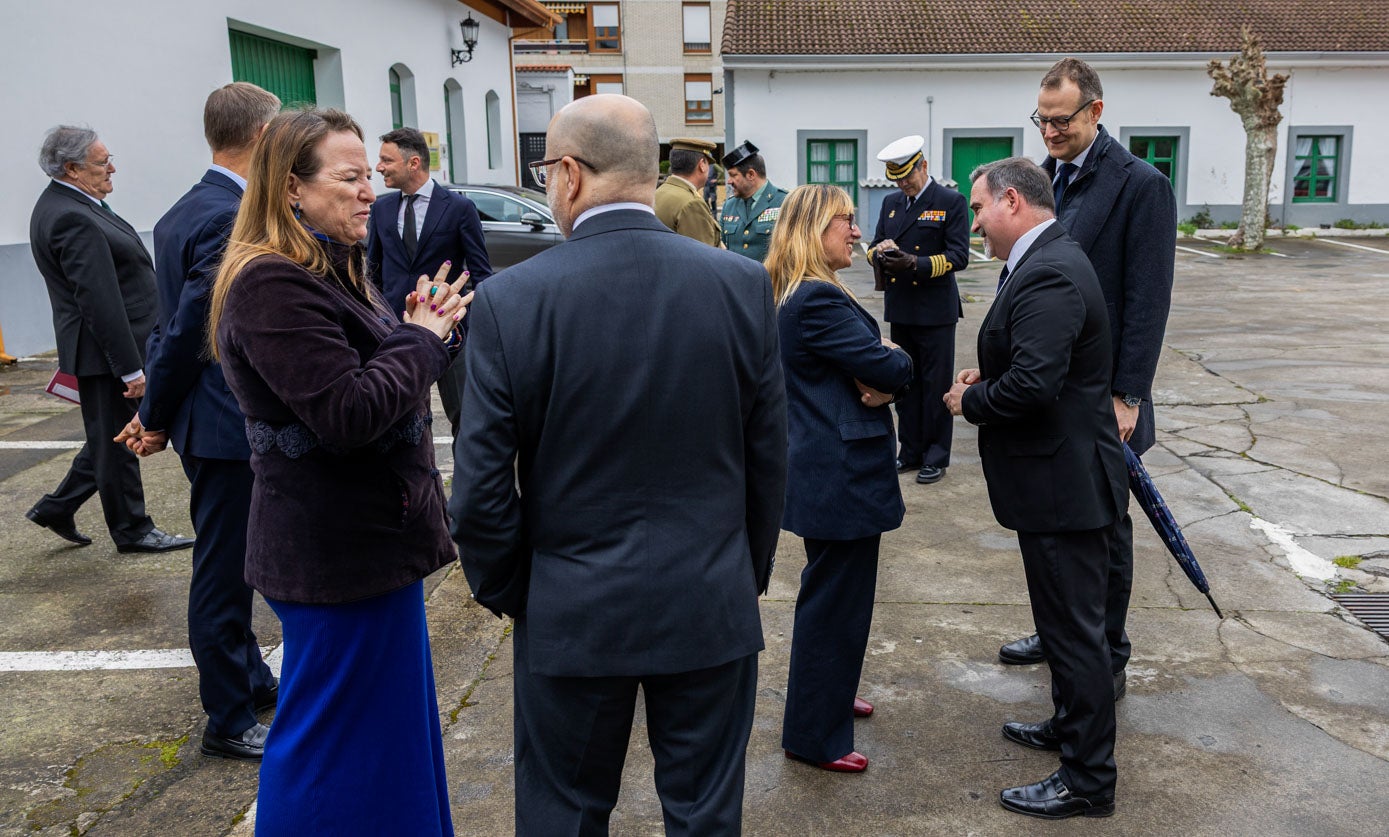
{"x": 617, "y": 135}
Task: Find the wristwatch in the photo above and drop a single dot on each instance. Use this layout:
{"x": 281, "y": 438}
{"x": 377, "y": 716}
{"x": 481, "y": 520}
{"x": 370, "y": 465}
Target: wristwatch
{"x": 1129, "y": 400}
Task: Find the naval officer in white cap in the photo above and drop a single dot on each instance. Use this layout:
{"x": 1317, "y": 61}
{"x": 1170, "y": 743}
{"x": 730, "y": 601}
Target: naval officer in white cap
{"x": 922, "y": 238}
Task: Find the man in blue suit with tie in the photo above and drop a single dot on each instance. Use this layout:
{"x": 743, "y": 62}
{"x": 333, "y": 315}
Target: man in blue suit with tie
{"x": 418, "y": 228}
{"x": 1123, "y": 214}
{"x": 187, "y": 403}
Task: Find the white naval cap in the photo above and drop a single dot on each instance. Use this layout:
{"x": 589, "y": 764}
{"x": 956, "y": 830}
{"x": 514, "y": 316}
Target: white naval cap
{"x": 901, "y": 156}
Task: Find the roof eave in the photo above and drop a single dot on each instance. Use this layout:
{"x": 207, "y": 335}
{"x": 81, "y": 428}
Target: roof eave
{"x": 1042, "y": 60}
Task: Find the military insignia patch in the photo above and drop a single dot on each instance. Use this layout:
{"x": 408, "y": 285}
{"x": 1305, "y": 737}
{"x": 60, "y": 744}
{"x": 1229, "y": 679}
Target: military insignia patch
{"x": 892, "y": 214}
{"x": 932, "y": 215}
{"x": 770, "y": 214}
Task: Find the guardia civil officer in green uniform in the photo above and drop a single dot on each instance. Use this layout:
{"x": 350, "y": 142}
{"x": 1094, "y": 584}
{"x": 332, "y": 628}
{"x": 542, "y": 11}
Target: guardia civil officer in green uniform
{"x": 753, "y": 203}
{"x": 680, "y": 200}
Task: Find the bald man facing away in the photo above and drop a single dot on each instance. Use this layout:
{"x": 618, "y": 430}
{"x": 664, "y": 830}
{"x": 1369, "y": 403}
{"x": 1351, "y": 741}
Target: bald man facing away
{"x": 629, "y": 381}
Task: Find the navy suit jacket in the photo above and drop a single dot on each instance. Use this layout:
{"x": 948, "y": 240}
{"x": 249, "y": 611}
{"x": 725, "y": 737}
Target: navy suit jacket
{"x": 1047, "y": 439}
{"x": 841, "y": 481}
{"x": 629, "y": 381}
{"x": 1122, "y": 213}
{"x": 100, "y": 283}
{"x": 186, "y": 394}
{"x": 936, "y": 225}
{"x": 451, "y": 231}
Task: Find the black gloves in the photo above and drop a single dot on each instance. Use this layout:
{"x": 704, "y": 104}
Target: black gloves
{"x": 897, "y": 262}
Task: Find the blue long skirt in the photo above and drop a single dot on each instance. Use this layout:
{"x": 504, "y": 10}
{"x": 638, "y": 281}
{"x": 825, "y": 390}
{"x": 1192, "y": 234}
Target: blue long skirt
{"x": 355, "y": 746}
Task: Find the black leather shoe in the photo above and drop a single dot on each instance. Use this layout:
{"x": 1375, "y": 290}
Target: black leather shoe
{"x": 1121, "y": 686}
{"x": 929, "y": 474}
{"x": 1038, "y": 736}
{"x": 1022, "y": 652}
{"x": 248, "y": 746}
{"x": 1049, "y": 799}
{"x": 156, "y": 541}
{"x": 903, "y": 466}
{"x": 267, "y": 700}
{"x": 65, "y": 529}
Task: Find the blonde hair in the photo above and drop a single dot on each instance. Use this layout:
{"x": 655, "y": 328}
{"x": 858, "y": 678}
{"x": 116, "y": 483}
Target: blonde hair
{"x": 265, "y": 224}
{"x": 797, "y": 253}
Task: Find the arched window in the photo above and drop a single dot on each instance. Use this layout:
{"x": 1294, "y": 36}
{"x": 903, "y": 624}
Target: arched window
{"x": 494, "y": 130}
{"x": 456, "y": 135}
{"x": 402, "y": 91}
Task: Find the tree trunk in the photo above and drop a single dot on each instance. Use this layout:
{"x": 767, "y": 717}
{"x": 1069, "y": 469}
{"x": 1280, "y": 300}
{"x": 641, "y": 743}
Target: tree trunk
{"x": 1260, "y": 148}
{"x": 1255, "y": 96}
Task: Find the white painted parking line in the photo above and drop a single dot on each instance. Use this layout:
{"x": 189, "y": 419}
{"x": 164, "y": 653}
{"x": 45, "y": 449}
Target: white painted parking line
{"x": 112, "y": 660}
{"x": 41, "y": 445}
{"x": 980, "y": 256}
{"x": 1356, "y": 246}
{"x": 1198, "y": 252}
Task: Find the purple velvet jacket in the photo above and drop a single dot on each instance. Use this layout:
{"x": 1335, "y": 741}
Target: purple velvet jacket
{"x": 347, "y": 501}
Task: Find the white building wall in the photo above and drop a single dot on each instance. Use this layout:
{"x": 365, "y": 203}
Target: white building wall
{"x": 770, "y": 107}
{"x": 139, "y": 71}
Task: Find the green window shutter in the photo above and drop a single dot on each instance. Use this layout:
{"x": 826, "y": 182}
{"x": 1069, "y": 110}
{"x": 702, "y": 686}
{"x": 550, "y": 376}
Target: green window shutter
{"x": 283, "y": 69}
{"x": 833, "y": 161}
{"x": 448, "y": 136}
{"x": 397, "y": 110}
{"x": 1161, "y": 152}
{"x": 1318, "y": 160}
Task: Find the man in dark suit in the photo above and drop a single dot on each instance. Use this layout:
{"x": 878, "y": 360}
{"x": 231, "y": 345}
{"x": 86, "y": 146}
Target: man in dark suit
{"x": 418, "y": 228}
{"x": 921, "y": 240}
{"x": 1054, "y": 467}
{"x": 645, "y": 524}
{"x": 187, "y": 402}
{"x": 101, "y": 285}
{"x": 1122, "y": 213}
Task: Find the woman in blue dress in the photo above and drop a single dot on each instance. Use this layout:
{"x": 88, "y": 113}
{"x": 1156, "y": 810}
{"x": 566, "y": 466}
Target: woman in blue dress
{"x": 347, "y": 510}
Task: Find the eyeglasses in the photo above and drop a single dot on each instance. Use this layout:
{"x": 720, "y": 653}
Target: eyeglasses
{"x": 101, "y": 164}
{"x": 847, "y": 218}
{"x": 540, "y": 168}
{"x": 1060, "y": 123}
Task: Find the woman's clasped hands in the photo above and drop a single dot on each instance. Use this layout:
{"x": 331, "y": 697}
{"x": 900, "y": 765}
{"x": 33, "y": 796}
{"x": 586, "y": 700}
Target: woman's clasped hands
{"x": 436, "y": 304}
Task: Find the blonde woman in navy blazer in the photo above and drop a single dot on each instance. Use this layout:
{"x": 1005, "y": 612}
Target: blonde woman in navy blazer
{"x": 841, "y": 490}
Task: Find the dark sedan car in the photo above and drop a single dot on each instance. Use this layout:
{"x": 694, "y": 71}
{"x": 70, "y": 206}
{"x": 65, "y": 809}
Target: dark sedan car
{"x": 516, "y": 222}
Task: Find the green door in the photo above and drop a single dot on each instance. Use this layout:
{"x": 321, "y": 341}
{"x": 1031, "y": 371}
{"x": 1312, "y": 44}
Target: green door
{"x": 283, "y": 69}
{"x": 968, "y": 153}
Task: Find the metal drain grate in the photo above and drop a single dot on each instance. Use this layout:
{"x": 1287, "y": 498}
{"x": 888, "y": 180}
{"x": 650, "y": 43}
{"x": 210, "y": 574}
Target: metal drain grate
{"x": 1370, "y": 608}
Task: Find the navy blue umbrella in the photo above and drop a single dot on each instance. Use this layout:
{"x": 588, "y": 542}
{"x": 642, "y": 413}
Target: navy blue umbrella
{"x": 1166, "y": 525}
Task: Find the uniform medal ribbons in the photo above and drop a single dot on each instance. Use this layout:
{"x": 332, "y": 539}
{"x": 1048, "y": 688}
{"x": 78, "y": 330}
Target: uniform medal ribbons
{"x": 770, "y": 214}
{"x": 931, "y": 215}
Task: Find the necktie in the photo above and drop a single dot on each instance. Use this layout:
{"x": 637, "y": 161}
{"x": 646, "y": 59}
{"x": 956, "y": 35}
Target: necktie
{"x": 411, "y": 240}
{"x": 106, "y": 206}
{"x": 1063, "y": 176}
{"x": 1002, "y": 277}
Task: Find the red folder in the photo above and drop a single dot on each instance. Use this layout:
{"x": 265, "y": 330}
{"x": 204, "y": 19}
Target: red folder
{"x": 63, "y": 386}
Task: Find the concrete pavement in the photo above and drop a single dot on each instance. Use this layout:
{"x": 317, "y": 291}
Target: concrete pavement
{"x": 1275, "y": 721}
